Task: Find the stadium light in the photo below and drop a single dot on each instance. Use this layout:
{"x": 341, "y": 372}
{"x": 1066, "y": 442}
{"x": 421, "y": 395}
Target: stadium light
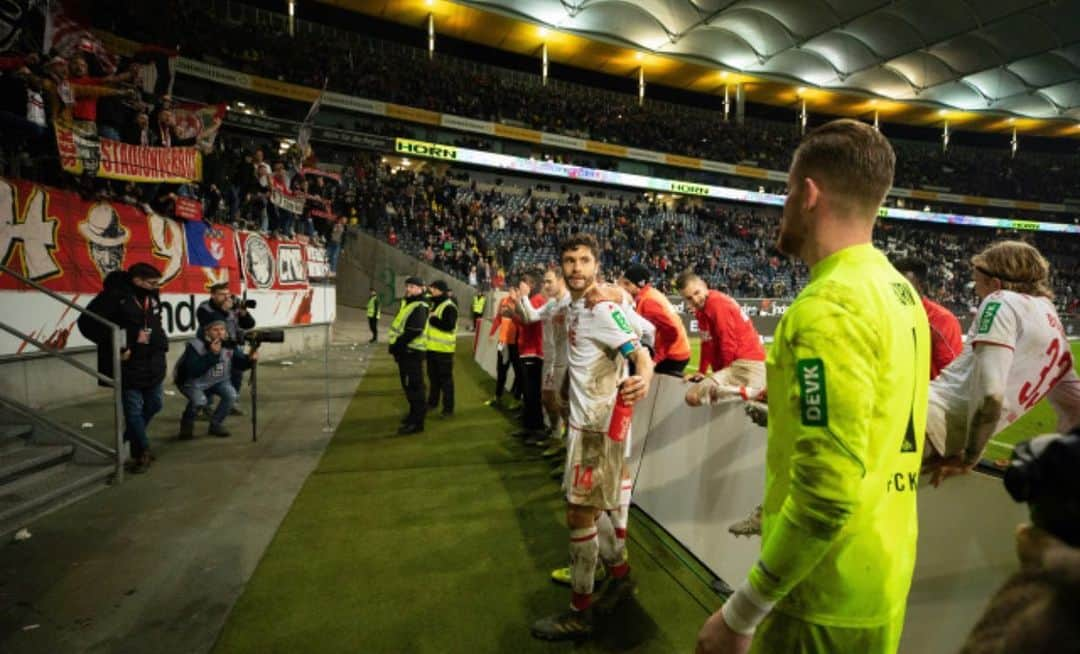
{"x": 639, "y": 55}
{"x": 543, "y": 64}
{"x": 430, "y": 34}
{"x": 542, "y": 31}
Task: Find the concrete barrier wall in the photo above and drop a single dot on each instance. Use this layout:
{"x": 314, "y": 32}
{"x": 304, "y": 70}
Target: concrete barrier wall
{"x": 41, "y": 381}
{"x": 697, "y": 470}
{"x": 367, "y": 262}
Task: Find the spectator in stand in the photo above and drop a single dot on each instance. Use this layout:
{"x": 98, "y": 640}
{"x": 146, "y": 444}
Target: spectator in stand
{"x": 333, "y": 244}
{"x": 672, "y": 352}
{"x": 130, "y": 300}
{"x": 730, "y": 345}
{"x": 205, "y": 369}
{"x": 138, "y": 133}
{"x": 945, "y": 333}
{"x": 85, "y": 110}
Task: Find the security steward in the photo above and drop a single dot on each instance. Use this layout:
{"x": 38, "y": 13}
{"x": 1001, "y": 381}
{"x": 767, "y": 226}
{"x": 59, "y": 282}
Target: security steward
{"x": 442, "y": 339}
{"x": 479, "y": 301}
{"x": 373, "y": 315}
{"x": 408, "y": 342}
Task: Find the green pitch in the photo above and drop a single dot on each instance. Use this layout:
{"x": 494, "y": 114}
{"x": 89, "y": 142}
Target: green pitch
{"x": 1039, "y": 420}
{"x": 442, "y": 542}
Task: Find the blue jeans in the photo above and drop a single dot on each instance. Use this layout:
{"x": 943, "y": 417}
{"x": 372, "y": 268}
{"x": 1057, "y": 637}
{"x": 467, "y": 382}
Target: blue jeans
{"x": 198, "y": 398}
{"x": 140, "y": 406}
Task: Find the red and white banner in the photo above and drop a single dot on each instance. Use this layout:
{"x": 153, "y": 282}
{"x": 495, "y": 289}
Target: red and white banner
{"x": 200, "y": 122}
{"x": 188, "y": 209}
{"x": 293, "y": 202}
{"x": 69, "y": 245}
{"x": 272, "y": 264}
{"x": 66, "y": 34}
{"x": 136, "y": 163}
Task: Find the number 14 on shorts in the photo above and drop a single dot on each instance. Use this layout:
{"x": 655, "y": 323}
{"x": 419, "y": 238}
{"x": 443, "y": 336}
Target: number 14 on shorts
{"x": 582, "y": 477}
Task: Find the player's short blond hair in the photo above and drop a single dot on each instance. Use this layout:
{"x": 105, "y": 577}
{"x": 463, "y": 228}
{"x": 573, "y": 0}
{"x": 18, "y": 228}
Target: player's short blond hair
{"x": 1019, "y": 266}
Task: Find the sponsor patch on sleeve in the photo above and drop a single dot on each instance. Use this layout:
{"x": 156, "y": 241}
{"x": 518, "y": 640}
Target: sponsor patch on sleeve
{"x": 986, "y": 318}
{"x": 620, "y": 320}
{"x": 813, "y": 400}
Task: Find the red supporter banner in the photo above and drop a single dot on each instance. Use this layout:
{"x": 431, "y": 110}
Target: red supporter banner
{"x": 135, "y": 163}
{"x": 272, "y": 264}
{"x": 188, "y": 209}
{"x": 69, "y": 244}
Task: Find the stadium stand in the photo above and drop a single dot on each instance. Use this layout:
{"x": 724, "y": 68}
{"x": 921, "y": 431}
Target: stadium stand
{"x": 362, "y": 66}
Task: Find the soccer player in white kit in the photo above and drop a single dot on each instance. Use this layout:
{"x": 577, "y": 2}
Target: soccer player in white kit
{"x": 601, "y": 395}
{"x": 553, "y": 315}
{"x": 1015, "y": 355}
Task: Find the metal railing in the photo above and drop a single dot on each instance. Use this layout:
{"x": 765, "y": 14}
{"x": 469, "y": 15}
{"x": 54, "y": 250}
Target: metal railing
{"x": 115, "y": 382}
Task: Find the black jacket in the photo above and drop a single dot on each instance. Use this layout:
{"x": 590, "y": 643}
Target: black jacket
{"x": 133, "y": 309}
{"x": 449, "y": 314}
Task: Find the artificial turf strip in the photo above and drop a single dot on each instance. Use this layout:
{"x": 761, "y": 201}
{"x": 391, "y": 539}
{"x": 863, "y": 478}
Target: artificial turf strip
{"x": 441, "y": 542}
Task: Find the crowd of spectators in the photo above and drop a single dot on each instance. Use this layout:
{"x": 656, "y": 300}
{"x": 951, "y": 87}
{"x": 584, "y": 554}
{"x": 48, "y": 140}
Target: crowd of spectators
{"x": 390, "y": 72}
{"x": 483, "y": 229}
{"x": 478, "y": 231}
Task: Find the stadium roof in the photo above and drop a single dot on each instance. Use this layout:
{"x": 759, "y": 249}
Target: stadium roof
{"x": 984, "y": 64}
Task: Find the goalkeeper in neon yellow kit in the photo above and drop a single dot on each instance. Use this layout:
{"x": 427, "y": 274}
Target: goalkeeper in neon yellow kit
{"x": 847, "y": 377}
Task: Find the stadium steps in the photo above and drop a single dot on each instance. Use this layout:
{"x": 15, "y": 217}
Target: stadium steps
{"x": 43, "y": 468}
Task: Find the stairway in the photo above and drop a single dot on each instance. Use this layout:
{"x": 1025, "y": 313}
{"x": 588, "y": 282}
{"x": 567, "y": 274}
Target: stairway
{"x": 43, "y": 468}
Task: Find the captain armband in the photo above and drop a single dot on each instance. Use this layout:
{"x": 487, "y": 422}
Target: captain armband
{"x": 627, "y": 349}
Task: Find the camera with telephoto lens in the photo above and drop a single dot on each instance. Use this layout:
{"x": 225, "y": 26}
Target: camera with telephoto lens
{"x": 239, "y": 302}
{"x": 257, "y": 337}
{"x": 1045, "y": 473}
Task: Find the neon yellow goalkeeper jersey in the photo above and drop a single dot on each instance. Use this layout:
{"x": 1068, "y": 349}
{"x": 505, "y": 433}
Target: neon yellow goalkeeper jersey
{"x": 848, "y": 374}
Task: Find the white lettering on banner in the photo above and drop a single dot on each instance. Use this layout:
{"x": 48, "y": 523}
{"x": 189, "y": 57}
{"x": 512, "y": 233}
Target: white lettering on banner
{"x": 35, "y": 231}
{"x": 290, "y": 261}
{"x": 168, "y": 239}
{"x": 318, "y": 264}
{"x": 287, "y": 201}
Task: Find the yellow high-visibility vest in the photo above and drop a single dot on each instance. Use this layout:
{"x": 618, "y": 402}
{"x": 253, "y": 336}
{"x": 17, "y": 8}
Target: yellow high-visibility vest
{"x": 397, "y": 328}
{"x": 439, "y": 340}
{"x": 478, "y": 303}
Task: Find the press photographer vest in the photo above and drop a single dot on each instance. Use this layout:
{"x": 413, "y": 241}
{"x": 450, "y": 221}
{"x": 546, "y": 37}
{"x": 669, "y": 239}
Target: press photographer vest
{"x": 220, "y": 372}
{"x": 397, "y": 328}
{"x": 439, "y": 340}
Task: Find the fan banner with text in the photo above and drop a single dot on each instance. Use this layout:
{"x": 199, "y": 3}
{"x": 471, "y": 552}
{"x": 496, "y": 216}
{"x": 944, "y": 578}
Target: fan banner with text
{"x": 69, "y": 245}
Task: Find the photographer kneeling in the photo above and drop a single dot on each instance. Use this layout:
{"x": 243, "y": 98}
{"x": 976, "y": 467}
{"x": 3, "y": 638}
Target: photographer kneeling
{"x": 226, "y": 307}
{"x": 205, "y": 369}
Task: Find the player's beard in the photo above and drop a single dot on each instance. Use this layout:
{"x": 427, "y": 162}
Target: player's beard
{"x": 578, "y": 285}
{"x": 792, "y": 235}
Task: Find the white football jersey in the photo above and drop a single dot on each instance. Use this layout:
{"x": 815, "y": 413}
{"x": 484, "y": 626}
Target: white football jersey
{"x": 553, "y": 314}
{"x": 1029, "y": 326}
{"x": 599, "y": 339}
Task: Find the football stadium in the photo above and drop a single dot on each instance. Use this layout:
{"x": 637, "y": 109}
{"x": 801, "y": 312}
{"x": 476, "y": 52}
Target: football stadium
{"x": 429, "y": 326}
